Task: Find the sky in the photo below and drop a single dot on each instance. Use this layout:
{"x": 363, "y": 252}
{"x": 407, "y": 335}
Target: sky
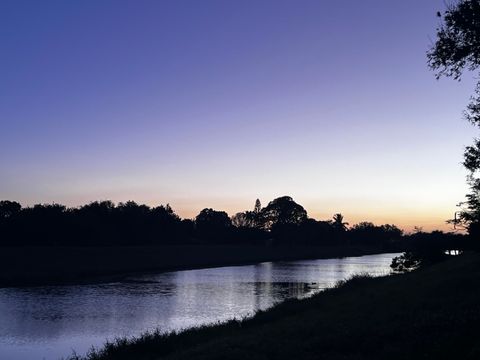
{"x": 217, "y": 103}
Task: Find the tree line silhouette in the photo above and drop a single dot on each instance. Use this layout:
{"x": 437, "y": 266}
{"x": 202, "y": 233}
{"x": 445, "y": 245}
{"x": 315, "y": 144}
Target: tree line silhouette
{"x": 281, "y": 222}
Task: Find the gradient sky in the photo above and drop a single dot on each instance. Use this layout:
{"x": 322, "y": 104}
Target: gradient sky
{"x": 215, "y": 103}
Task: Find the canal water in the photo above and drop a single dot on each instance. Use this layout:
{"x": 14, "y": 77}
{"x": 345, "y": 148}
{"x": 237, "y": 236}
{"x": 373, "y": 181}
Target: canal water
{"x": 52, "y": 321}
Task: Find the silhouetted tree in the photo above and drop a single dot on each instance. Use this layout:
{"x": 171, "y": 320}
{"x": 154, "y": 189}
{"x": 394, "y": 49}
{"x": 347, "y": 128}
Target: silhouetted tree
{"x": 43, "y": 224}
{"x": 95, "y": 223}
{"x": 210, "y": 217}
{"x": 187, "y": 228}
{"x": 338, "y": 222}
{"x": 213, "y": 225}
{"x": 245, "y": 219}
{"x": 249, "y": 219}
{"x": 9, "y": 224}
{"x": 458, "y": 49}
{"x": 258, "y": 207}
{"x": 392, "y": 231}
{"x": 164, "y": 215}
{"x": 98, "y": 208}
{"x": 319, "y": 233}
{"x": 166, "y": 227}
{"x": 9, "y": 208}
{"x": 367, "y": 233}
{"x": 282, "y": 211}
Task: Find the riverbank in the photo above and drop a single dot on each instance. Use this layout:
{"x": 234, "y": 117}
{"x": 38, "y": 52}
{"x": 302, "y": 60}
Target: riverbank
{"x": 432, "y": 313}
{"x": 31, "y": 266}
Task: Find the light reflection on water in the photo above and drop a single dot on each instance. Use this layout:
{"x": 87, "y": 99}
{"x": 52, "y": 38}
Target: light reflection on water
{"x": 49, "y": 322}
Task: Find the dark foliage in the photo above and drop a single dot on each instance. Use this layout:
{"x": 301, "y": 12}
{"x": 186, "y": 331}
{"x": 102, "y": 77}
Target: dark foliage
{"x": 213, "y": 225}
{"x": 370, "y": 234}
{"x": 428, "y": 248}
{"x": 102, "y": 223}
{"x": 457, "y": 49}
{"x": 282, "y": 211}
{"x": 9, "y": 209}
{"x": 97, "y": 223}
{"x": 458, "y": 40}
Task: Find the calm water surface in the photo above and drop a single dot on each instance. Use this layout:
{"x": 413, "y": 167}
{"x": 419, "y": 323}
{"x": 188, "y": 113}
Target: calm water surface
{"x": 49, "y": 322}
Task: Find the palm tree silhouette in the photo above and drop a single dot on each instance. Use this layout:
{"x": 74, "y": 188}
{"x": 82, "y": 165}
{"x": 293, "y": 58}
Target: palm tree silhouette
{"x": 338, "y": 222}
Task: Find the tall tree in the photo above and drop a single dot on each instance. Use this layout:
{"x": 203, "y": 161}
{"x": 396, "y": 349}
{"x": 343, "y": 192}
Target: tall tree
{"x": 457, "y": 49}
{"x": 338, "y": 222}
{"x": 283, "y": 210}
{"x": 258, "y": 207}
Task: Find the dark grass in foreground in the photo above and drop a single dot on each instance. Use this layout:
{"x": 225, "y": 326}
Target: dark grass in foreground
{"x": 432, "y": 313}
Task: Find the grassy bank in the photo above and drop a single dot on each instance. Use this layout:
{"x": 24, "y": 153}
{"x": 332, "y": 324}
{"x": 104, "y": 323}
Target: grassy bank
{"x": 21, "y": 266}
{"x": 432, "y": 313}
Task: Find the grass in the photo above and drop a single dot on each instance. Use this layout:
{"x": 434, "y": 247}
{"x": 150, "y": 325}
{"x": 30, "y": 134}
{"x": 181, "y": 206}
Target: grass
{"x": 432, "y": 313}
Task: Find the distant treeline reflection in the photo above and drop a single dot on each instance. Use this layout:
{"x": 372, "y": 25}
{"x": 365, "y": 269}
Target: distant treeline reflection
{"x": 282, "y": 221}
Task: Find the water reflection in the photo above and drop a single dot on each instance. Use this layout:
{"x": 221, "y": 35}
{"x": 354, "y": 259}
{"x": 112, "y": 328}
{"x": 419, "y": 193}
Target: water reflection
{"x": 48, "y": 322}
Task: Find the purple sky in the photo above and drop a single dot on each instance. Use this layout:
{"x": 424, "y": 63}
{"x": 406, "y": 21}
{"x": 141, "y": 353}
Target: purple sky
{"x": 215, "y": 103}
